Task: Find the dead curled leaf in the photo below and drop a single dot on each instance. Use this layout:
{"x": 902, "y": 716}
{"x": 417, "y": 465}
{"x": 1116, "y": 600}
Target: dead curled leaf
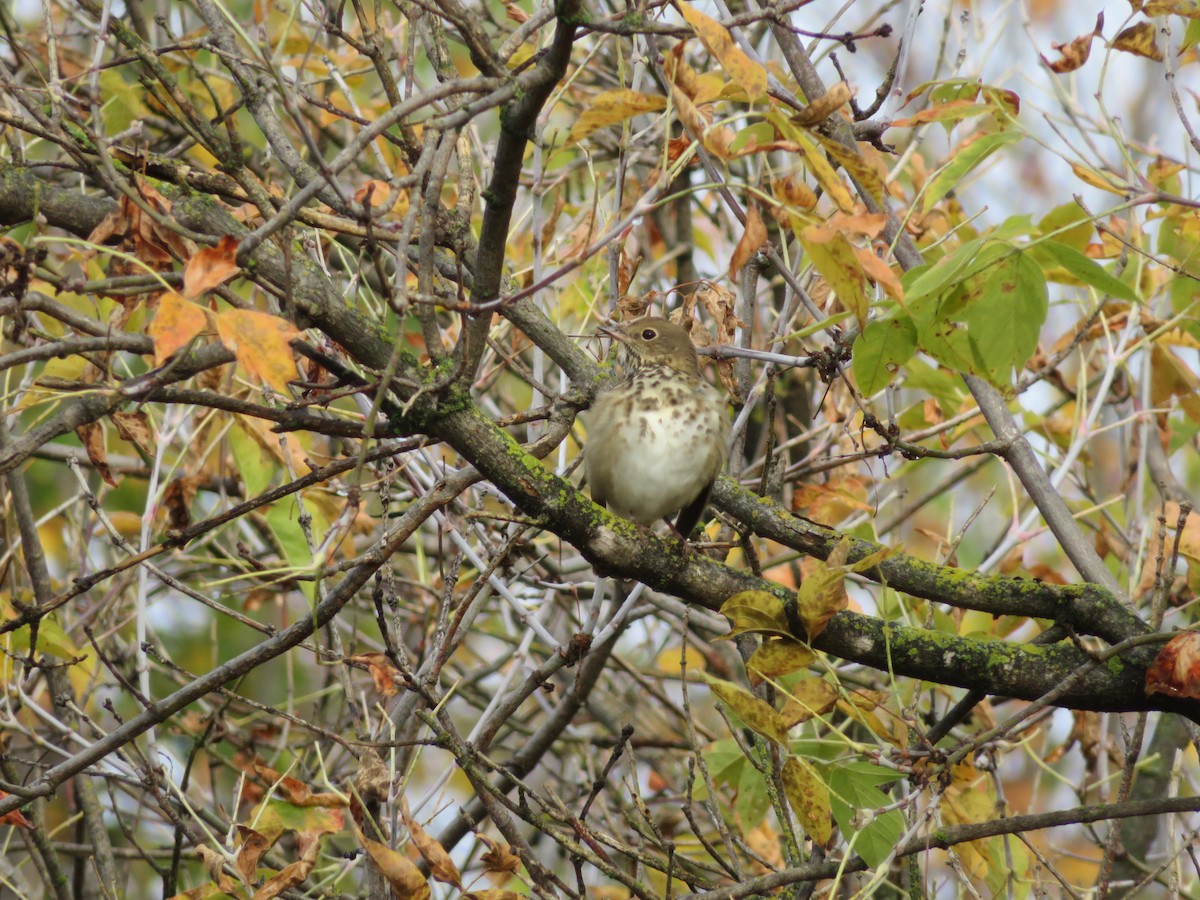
{"x": 1176, "y": 669}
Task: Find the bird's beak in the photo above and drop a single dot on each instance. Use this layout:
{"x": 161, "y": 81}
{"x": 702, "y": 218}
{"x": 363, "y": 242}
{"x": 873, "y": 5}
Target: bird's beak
{"x": 611, "y": 331}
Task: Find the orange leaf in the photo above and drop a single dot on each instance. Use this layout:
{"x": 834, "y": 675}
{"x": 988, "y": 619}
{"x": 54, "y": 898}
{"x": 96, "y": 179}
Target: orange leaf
{"x": 175, "y": 324}
{"x": 261, "y": 344}
{"x": 397, "y": 869}
{"x": 15, "y": 817}
{"x": 441, "y": 866}
{"x": 752, "y": 239}
{"x": 210, "y": 267}
{"x": 253, "y": 846}
{"x": 290, "y": 876}
{"x": 1176, "y": 669}
{"x": 382, "y": 672}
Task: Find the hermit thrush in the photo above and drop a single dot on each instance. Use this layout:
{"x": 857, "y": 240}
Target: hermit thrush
{"x": 658, "y": 438}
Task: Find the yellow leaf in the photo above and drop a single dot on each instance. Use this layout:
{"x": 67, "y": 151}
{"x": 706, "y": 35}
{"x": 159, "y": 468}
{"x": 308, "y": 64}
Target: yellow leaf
{"x": 778, "y": 657}
{"x": 670, "y": 661}
{"x": 758, "y": 715}
{"x": 808, "y": 698}
{"x": 809, "y": 797}
{"x": 815, "y": 161}
{"x": 825, "y": 106}
{"x": 747, "y": 73}
{"x": 756, "y": 612}
{"x": 261, "y": 343}
{"x": 1139, "y": 40}
{"x": 1169, "y": 376}
{"x": 833, "y": 256}
{"x": 612, "y": 107}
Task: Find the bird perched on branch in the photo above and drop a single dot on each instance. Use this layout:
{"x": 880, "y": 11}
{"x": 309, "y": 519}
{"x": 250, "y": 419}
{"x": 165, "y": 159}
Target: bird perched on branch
{"x": 658, "y": 438}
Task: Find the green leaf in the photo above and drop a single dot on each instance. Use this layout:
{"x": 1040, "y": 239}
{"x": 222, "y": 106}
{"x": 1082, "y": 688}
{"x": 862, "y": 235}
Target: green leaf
{"x": 1069, "y": 224}
{"x": 1005, "y": 320}
{"x": 283, "y": 519}
{"x": 933, "y": 278}
{"x": 852, "y": 790}
{"x": 1087, "y": 270}
{"x": 753, "y": 800}
{"x": 760, "y": 133}
{"x": 885, "y": 345}
{"x": 952, "y": 173}
{"x": 254, "y": 462}
{"x": 724, "y": 759}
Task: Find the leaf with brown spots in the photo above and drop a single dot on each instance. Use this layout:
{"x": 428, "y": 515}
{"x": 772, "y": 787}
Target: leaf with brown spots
{"x": 1140, "y": 40}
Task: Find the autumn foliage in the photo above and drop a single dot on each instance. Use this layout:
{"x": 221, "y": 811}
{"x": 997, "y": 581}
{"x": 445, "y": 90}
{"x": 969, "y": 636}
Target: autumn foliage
{"x": 302, "y": 595}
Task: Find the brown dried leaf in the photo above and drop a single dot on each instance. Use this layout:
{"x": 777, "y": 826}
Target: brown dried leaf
{"x": 753, "y": 237}
{"x": 397, "y": 869}
{"x": 177, "y": 499}
{"x": 250, "y": 851}
{"x": 1074, "y": 54}
{"x": 91, "y": 434}
{"x": 135, "y": 428}
{"x": 441, "y": 866}
{"x": 497, "y": 858}
{"x": 373, "y": 780}
{"x": 290, "y": 876}
{"x": 1176, "y": 669}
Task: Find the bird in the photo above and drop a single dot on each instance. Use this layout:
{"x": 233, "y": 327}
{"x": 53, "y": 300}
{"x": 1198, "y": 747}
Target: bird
{"x": 658, "y": 437}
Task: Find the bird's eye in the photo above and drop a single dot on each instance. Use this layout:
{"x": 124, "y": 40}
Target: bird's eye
{"x": 649, "y": 334}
